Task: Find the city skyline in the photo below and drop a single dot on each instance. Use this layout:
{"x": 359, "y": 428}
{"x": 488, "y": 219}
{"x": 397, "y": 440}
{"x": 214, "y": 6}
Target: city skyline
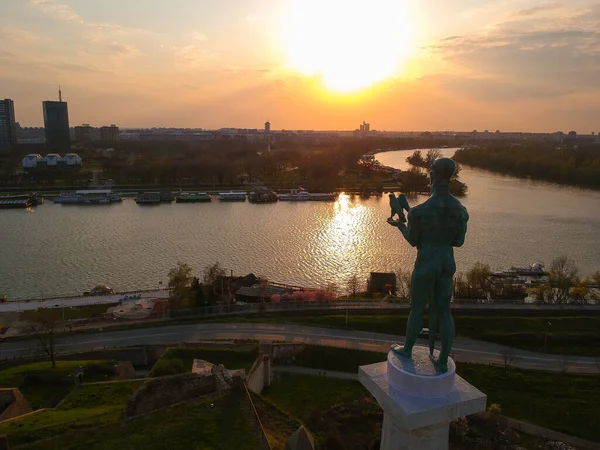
{"x": 458, "y": 65}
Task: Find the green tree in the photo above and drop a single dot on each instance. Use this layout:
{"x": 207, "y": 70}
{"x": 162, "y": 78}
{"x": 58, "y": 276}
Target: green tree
{"x": 479, "y": 279}
{"x": 416, "y": 159}
{"x": 180, "y": 280}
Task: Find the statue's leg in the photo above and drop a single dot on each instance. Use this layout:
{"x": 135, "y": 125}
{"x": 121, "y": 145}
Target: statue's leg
{"x": 420, "y": 293}
{"x": 432, "y": 326}
{"x": 443, "y": 296}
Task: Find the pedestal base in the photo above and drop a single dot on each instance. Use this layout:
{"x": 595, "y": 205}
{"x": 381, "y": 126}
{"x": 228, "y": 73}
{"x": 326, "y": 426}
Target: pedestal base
{"x": 413, "y": 418}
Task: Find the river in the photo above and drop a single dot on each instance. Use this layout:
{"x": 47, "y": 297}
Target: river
{"x": 65, "y": 249}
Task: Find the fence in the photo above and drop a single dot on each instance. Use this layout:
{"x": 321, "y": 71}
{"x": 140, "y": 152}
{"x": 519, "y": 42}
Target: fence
{"x": 263, "y": 436}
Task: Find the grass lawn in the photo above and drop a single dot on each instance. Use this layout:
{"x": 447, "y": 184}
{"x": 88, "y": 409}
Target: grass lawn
{"x": 46, "y": 393}
{"x": 88, "y": 405}
{"x": 332, "y": 409}
{"x": 561, "y": 402}
{"x": 180, "y": 359}
{"x": 335, "y": 359}
{"x": 223, "y": 426}
{"x": 80, "y": 312}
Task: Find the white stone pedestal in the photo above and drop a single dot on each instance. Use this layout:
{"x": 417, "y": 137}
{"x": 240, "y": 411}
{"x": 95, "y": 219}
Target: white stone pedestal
{"x": 418, "y": 402}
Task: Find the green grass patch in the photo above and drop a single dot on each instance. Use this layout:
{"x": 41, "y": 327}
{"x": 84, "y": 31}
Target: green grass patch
{"x": 47, "y": 392}
{"x": 335, "y": 359}
{"x": 338, "y": 411}
{"x": 70, "y": 313}
{"x": 88, "y": 405}
{"x": 180, "y": 359}
{"x": 220, "y": 424}
{"x": 101, "y": 395}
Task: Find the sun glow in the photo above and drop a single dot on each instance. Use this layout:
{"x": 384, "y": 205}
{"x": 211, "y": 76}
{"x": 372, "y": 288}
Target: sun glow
{"x": 350, "y": 44}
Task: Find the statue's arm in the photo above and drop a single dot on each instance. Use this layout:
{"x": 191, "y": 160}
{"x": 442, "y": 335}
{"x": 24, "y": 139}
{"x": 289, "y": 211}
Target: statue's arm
{"x": 411, "y": 231}
{"x": 460, "y": 236}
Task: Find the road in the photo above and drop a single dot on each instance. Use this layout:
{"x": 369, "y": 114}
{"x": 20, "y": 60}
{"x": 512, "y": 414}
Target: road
{"x": 465, "y": 350}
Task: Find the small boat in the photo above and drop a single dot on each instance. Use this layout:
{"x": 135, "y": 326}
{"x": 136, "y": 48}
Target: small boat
{"x": 232, "y": 196}
{"x": 323, "y": 197}
{"x": 295, "y": 195}
{"x": 88, "y": 197}
{"x": 262, "y": 195}
{"x": 198, "y": 197}
{"x": 148, "y": 198}
{"x": 166, "y": 197}
{"x": 15, "y": 201}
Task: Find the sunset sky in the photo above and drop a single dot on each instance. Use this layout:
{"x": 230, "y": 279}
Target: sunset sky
{"x": 512, "y": 65}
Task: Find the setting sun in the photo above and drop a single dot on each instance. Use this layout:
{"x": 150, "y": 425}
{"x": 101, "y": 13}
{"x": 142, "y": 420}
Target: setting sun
{"x": 350, "y": 44}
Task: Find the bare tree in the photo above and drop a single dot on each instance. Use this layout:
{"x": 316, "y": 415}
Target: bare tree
{"x": 403, "y": 278}
{"x": 46, "y": 322}
{"x": 211, "y": 275}
{"x": 562, "y": 276}
{"x": 508, "y": 356}
{"x": 352, "y": 285}
{"x": 432, "y": 155}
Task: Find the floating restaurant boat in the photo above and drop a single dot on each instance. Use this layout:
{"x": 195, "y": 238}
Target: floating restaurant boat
{"x": 148, "y": 198}
{"x": 323, "y": 197}
{"x": 262, "y": 195}
{"x": 232, "y": 196}
{"x": 166, "y": 197}
{"x": 295, "y": 195}
{"x": 88, "y": 197}
{"x": 198, "y": 197}
{"x": 20, "y": 201}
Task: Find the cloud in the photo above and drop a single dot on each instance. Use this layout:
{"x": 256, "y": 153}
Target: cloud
{"x": 193, "y": 56}
{"x": 199, "y": 36}
{"x": 57, "y": 10}
{"x": 535, "y": 10}
{"x": 522, "y": 57}
{"x": 19, "y": 35}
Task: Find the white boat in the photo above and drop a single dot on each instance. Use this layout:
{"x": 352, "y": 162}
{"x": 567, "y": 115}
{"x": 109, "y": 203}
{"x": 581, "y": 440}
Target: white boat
{"x": 295, "y": 195}
{"x": 232, "y": 196}
{"x": 323, "y": 197}
{"x": 88, "y": 197}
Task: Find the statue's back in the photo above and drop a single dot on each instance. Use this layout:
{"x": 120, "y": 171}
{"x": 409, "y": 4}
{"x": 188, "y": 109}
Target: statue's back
{"x": 441, "y": 221}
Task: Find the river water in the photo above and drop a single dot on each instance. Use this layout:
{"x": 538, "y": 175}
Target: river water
{"x": 65, "y": 249}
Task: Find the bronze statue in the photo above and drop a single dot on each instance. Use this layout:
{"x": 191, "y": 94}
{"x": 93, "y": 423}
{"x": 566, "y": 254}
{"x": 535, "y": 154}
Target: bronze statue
{"x": 434, "y": 227}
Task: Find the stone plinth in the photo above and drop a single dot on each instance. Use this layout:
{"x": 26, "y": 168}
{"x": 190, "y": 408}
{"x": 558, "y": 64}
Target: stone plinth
{"x": 418, "y": 402}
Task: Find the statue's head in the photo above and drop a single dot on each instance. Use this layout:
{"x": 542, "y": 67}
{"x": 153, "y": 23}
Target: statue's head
{"x": 442, "y": 170}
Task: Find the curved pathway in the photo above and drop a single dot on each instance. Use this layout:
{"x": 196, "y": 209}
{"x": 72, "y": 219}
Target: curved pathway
{"x": 465, "y": 350}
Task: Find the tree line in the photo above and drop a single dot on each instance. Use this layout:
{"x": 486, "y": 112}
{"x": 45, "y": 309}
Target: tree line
{"x": 415, "y": 180}
{"x": 574, "y": 165}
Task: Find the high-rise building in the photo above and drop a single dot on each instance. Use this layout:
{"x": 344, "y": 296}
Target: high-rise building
{"x": 83, "y": 133}
{"x": 56, "y": 124}
{"x": 267, "y": 127}
{"x": 109, "y": 133}
{"x": 8, "y": 126}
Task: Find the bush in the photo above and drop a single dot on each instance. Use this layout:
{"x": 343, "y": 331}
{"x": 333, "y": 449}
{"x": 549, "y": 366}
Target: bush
{"x": 167, "y": 366}
{"x": 334, "y": 442}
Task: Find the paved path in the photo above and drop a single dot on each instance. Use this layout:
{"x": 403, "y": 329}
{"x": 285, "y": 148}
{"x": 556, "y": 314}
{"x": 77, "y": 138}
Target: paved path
{"x": 318, "y": 372}
{"x": 465, "y": 350}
